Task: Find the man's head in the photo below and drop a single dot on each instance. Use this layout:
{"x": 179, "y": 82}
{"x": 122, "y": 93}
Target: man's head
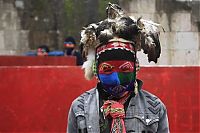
{"x": 107, "y": 44}
{"x": 69, "y": 45}
{"x": 42, "y": 50}
{"x": 115, "y": 64}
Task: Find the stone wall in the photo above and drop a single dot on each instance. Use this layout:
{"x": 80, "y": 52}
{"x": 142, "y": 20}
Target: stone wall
{"x": 27, "y": 24}
{"x": 181, "y": 20}
{"x": 25, "y": 27}
{"x": 13, "y": 40}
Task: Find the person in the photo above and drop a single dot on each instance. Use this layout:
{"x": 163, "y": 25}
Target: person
{"x": 43, "y": 50}
{"x": 70, "y": 48}
{"x": 117, "y": 104}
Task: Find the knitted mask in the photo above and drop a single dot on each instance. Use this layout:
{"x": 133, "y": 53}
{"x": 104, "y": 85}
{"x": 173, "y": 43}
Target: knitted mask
{"x": 116, "y": 67}
{"x": 68, "y": 47}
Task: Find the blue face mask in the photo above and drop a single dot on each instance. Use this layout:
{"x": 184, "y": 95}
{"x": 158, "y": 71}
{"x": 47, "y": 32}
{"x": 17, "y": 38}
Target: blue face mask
{"x": 117, "y": 83}
{"x": 68, "y": 51}
{"x": 117, "y": 76}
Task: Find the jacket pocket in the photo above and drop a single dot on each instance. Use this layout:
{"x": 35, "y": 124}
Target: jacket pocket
{"x": 81, "y": 122}
{"x": 141, "y": 123}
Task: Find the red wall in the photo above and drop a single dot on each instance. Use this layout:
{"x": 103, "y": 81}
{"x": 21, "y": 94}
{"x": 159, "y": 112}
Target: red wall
{"x": 37, "y": 60}
{"x": 37, "y": 99}
{"x": 179, "y": 89}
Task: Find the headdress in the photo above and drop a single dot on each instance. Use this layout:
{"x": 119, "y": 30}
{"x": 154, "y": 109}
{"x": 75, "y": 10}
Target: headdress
{"x": 133, "y": 34}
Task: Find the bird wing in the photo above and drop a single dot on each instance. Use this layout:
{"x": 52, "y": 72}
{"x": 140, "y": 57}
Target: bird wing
{"x": 150, "y": 42}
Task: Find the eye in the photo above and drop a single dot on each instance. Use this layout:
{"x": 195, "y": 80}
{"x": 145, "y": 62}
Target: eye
{"x": 106, "y": 68}
{"x": 126, "y": 67}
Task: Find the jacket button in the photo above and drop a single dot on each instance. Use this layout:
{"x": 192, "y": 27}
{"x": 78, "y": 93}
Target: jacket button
{"x": 89, "y": 127}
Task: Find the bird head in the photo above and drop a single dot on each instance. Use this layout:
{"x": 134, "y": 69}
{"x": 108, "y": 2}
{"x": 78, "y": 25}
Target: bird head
{"x": 114, "y": 11}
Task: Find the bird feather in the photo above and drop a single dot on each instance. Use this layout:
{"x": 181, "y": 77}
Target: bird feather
{"x": 144, "y": 33}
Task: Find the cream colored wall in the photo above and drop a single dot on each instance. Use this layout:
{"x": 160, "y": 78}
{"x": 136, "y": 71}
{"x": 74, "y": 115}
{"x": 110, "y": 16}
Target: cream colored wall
{"x": 181, "y": 41}
{"x": 13, "y": 40}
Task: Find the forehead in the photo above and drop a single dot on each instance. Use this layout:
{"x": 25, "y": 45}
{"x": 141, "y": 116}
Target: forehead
{"x": 124, "y": 46}
{"x": 115, "y": 50}
{"x": 120, "y": 55}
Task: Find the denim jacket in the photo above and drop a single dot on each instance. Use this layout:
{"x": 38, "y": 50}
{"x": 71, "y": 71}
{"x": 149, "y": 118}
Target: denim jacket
{"x": 145, "y": 114}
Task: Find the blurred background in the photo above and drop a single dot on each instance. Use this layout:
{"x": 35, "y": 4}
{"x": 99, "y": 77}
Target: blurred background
{"x": 27, "y": 24}
{"x": 36, "y": 92}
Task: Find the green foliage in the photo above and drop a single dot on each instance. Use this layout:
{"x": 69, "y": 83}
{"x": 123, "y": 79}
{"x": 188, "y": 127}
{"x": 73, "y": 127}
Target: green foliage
{"x": 76, "y": 14}
{"x": 39, "y": 6}
{"x": 69, "y": 7}
{"x": 75, "y": 17}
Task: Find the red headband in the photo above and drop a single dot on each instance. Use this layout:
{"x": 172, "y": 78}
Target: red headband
{"x": 115, "y": 45}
